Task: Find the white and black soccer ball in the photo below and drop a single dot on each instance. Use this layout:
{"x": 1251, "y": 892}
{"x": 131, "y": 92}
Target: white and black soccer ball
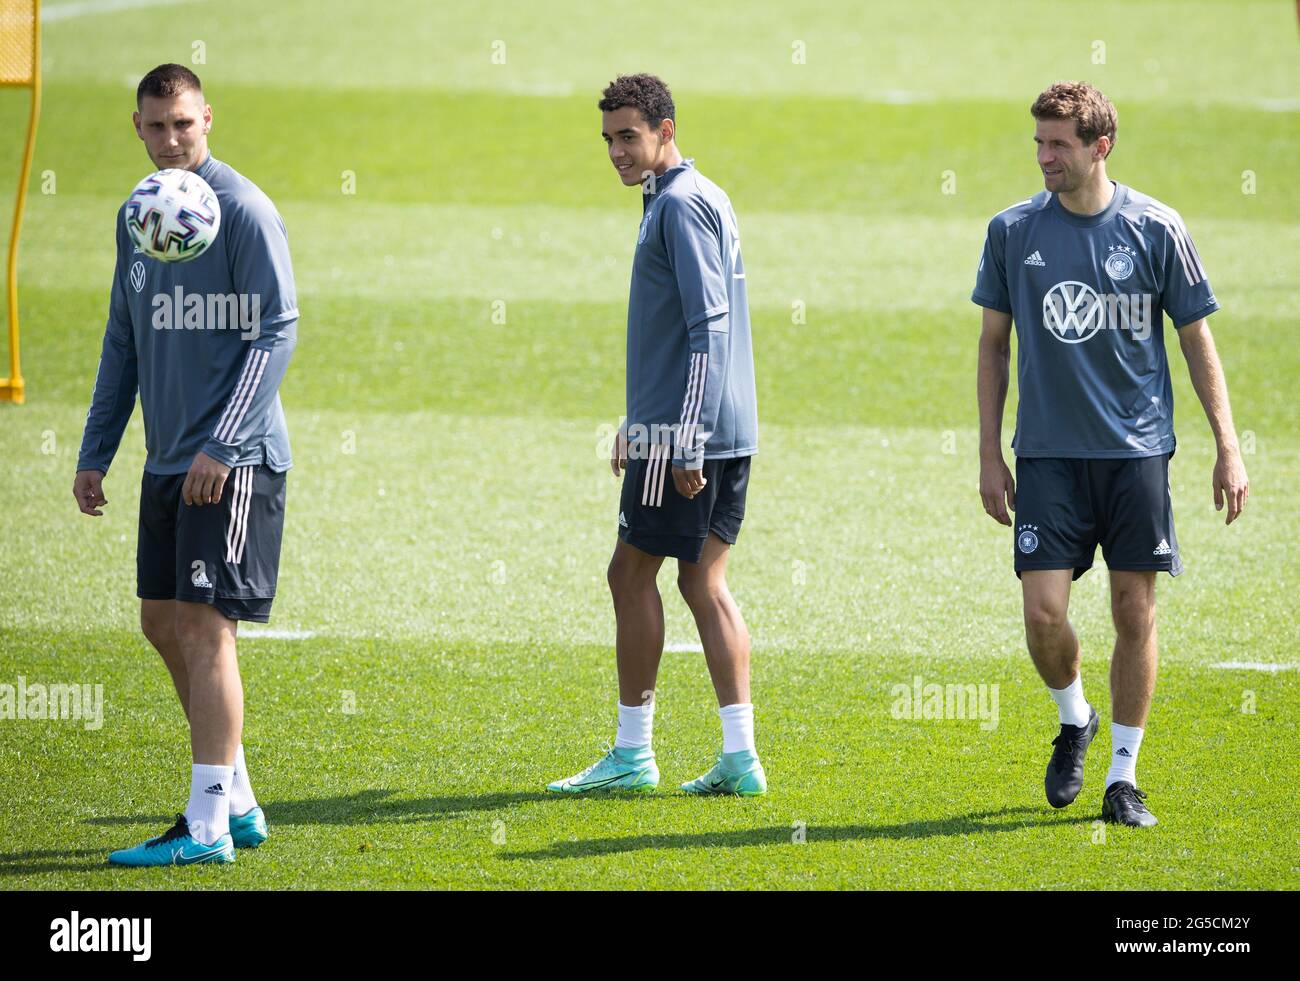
{"x": 173, "y": 215}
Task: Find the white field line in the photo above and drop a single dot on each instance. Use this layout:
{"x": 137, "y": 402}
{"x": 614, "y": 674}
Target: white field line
{"x": 254, "y": 633}
{"x": 1252, "y": 666}
{"x": 82, "y": 8}
{"x": 1284, "y": 104}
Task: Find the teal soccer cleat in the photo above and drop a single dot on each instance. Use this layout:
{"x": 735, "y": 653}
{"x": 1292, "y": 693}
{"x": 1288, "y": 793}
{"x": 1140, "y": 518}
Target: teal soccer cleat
{"x": 734, "y": 773}
{"x": 619, "y": 769}
{"x": 248, "y": 830}
{"x": 175, "y": 847}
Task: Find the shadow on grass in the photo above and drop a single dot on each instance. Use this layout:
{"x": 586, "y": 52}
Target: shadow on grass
{"x": 366, "y": 807}
{"x": 41, "y": 860}
{"x": 362, "y": 808}
{"x": 979, "y": 822}
{"x": 377, "y": 807}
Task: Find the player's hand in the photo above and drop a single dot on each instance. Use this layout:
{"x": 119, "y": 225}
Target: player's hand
{"x": 204, "y": 483}
{"x": 618, "y": 453}
{"x": 997, "y": 490}
{"x": 1231, "y": 485}
{"x": 88, "y": 489}
{"x": 688, "y": 482}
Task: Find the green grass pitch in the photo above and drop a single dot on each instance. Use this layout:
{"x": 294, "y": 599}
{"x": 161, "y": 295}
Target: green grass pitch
{"x": 450, "y": 644}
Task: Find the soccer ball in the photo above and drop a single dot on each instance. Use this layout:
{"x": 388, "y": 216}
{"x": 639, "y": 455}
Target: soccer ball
{"x": 173, "y": 215}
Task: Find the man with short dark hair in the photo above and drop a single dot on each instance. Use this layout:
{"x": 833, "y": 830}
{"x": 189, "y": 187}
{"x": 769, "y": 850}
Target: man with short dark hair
{"x": 212, "y": 494}
{"x": 1089, "y": 269}
{"x": 686, "y": 443}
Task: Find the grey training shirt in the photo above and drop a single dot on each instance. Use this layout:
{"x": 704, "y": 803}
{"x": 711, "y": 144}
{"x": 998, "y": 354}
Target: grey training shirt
{"x": 205, "y": 342}
{"x": 1089, "y": 295}
{"x": 690, "y": 363}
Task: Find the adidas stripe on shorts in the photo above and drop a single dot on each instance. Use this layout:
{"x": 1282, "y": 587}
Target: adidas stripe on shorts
{"x": 1065, "y": 508}
{"x": 656, "y": 519}
{"x": 226, "y": 554}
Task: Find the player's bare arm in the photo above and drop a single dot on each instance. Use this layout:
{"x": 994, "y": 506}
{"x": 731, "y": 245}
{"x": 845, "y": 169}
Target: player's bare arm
{"x": 1231, "y": 485}
{"x": 997, "y": 486}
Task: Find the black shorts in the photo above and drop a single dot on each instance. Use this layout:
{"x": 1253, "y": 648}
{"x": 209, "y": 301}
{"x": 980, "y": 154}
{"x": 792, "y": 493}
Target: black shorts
{"x": 656, "y": 519}
{"x": 226, "y": 554}
{"x": 1065, "y": 508}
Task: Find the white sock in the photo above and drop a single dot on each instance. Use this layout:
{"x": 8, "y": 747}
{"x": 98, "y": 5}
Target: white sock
{"x": 241, "y": 791}
{"x": 208, "y": 812}
{"x": 1125, "y": 741}
{"x": 635, "y": 725}
{"x": 737, "y": 727}
{"x": 1071, "y": 706}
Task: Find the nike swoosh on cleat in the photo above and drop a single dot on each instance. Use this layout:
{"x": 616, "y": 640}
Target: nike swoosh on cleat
{"x": 188, "y": 860}
{"x": 598, "y": 783}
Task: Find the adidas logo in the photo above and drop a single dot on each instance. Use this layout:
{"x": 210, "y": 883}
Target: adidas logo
{"x": 200, "y": 575}
{"x": 1163, "y": 548}
{"x": 1035, "y": 260}
{"x": 215, "y": 789}
{"x": 622, "y": 520}
{"x": 1123, "y": 752}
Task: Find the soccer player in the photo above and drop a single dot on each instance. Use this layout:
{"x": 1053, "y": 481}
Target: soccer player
{"x": 1089, "y": 269}
{"x": 212, "y": 495}
{"x": 685, "y": 445}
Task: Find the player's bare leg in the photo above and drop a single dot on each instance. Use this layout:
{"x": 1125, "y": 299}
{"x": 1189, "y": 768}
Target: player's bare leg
{"x": 722, "y": 629}
{"x": 725, "y": 640}
{"x": 1133, "y": 665}
{"x": 639, "y": 645}
{"x": 1132, "y": 683}
{"x": 248, "y": 828}
{"x": 1054, "y": 647}
{"x": 639, "y": 615}
{"x": 207, "y": 640}
{"x": 1051, "y": 640}
{"x": 158, "y": 622}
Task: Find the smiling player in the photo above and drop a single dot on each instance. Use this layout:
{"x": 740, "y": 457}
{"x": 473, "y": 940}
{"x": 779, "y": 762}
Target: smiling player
{"x": 212, "y": 495}
{"x": 1089, "y": 269}
{"x": 691, "y": 428}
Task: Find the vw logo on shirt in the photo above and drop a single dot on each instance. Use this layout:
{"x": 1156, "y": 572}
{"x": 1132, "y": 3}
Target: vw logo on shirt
{"x": 1072, "y": 311}
{"x": 137, "y": 275}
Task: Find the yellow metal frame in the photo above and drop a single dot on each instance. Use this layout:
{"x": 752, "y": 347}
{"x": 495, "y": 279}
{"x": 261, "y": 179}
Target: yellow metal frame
{"x": 12, "y": 388}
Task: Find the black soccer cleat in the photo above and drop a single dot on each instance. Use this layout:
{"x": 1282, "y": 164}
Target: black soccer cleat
{"x": 1122, "y": 804}
{"x": 1064, "y": 777}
